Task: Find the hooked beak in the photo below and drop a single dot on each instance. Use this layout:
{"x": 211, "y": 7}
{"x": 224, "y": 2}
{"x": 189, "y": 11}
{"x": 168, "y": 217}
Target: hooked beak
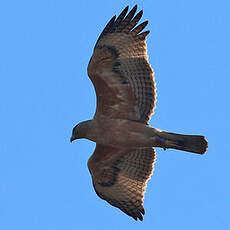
{"x": 73, "y": 139}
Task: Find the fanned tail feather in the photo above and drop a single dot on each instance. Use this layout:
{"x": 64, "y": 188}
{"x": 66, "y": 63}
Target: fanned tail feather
{"x": 189, "y": 143}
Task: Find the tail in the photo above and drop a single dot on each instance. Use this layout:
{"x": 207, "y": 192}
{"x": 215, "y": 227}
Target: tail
{"x": 189, "y": 143}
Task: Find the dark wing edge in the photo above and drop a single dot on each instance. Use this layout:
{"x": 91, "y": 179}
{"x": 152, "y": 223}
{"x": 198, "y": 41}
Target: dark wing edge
{"x": 123, "y": 183}
{"x": 126, "y": 24}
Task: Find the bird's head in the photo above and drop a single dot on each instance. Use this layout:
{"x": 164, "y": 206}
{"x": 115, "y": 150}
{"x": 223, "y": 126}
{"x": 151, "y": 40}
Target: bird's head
{"x": 79, "y": 131}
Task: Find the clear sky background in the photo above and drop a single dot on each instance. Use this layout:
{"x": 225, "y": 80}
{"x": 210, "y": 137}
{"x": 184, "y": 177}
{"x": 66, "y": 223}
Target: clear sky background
{"x": 45, "y": 47}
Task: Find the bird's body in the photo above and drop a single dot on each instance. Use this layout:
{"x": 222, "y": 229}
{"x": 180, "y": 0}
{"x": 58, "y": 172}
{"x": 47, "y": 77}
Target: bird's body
{"x": 123, "y": 79}
{"x": 107, "y": 131}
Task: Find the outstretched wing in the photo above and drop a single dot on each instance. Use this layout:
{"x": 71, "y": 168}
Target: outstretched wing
{"x": 120, "y": 71}
{"x": 120, "y": 177}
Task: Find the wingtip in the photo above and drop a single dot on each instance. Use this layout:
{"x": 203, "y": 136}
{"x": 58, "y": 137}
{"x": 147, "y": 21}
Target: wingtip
{"x": 141, "y": 12}
{"x": 113, "y": 18}
{"x": 135, "y": 7}
{"x": 140, "y": 217}
{"x": 142, "y": 210}
{"x": 138, "y": 214}
{"x": 125, "y": 9}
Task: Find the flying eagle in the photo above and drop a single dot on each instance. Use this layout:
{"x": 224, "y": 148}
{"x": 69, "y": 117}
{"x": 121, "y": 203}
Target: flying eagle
{"x": 123, "y": 79}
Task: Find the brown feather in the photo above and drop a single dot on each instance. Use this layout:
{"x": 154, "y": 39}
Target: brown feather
{"x": 126, "y": 20}
{"x": 133, "y": 23}
{"x": 119, "y": 67}
{"x": 120, "y": 177}
{"x": 139, "y": 28}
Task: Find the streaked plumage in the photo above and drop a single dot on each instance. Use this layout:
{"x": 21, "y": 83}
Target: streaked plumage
{"x": 124, "y": 157}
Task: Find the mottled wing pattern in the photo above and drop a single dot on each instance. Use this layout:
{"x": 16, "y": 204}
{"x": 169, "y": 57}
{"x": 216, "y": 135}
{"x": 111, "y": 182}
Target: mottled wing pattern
{"x": 120, "y": 71}
{"x": 120, "y": 177}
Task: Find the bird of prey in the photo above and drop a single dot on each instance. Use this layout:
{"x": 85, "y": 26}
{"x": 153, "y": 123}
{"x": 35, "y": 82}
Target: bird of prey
{"x": 123, "y": 79}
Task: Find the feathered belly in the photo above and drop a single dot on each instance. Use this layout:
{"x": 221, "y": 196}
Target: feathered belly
{"x": 123, "y": 134}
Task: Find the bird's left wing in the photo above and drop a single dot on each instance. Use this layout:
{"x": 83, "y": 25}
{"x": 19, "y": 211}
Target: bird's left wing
{"x": 120, "y": 177}
{"x": 120, "y": 71}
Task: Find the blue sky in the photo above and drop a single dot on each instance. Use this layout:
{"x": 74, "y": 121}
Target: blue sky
{"x": 45, "y": 47}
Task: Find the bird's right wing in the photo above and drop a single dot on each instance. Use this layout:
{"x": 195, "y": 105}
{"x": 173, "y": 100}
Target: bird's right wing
{"x": 120, "y": 177}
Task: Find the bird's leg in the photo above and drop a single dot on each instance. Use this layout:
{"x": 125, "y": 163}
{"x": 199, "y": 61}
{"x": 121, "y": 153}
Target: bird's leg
{"x": 161, "y": 142}
{"x": 165, "y": 144}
